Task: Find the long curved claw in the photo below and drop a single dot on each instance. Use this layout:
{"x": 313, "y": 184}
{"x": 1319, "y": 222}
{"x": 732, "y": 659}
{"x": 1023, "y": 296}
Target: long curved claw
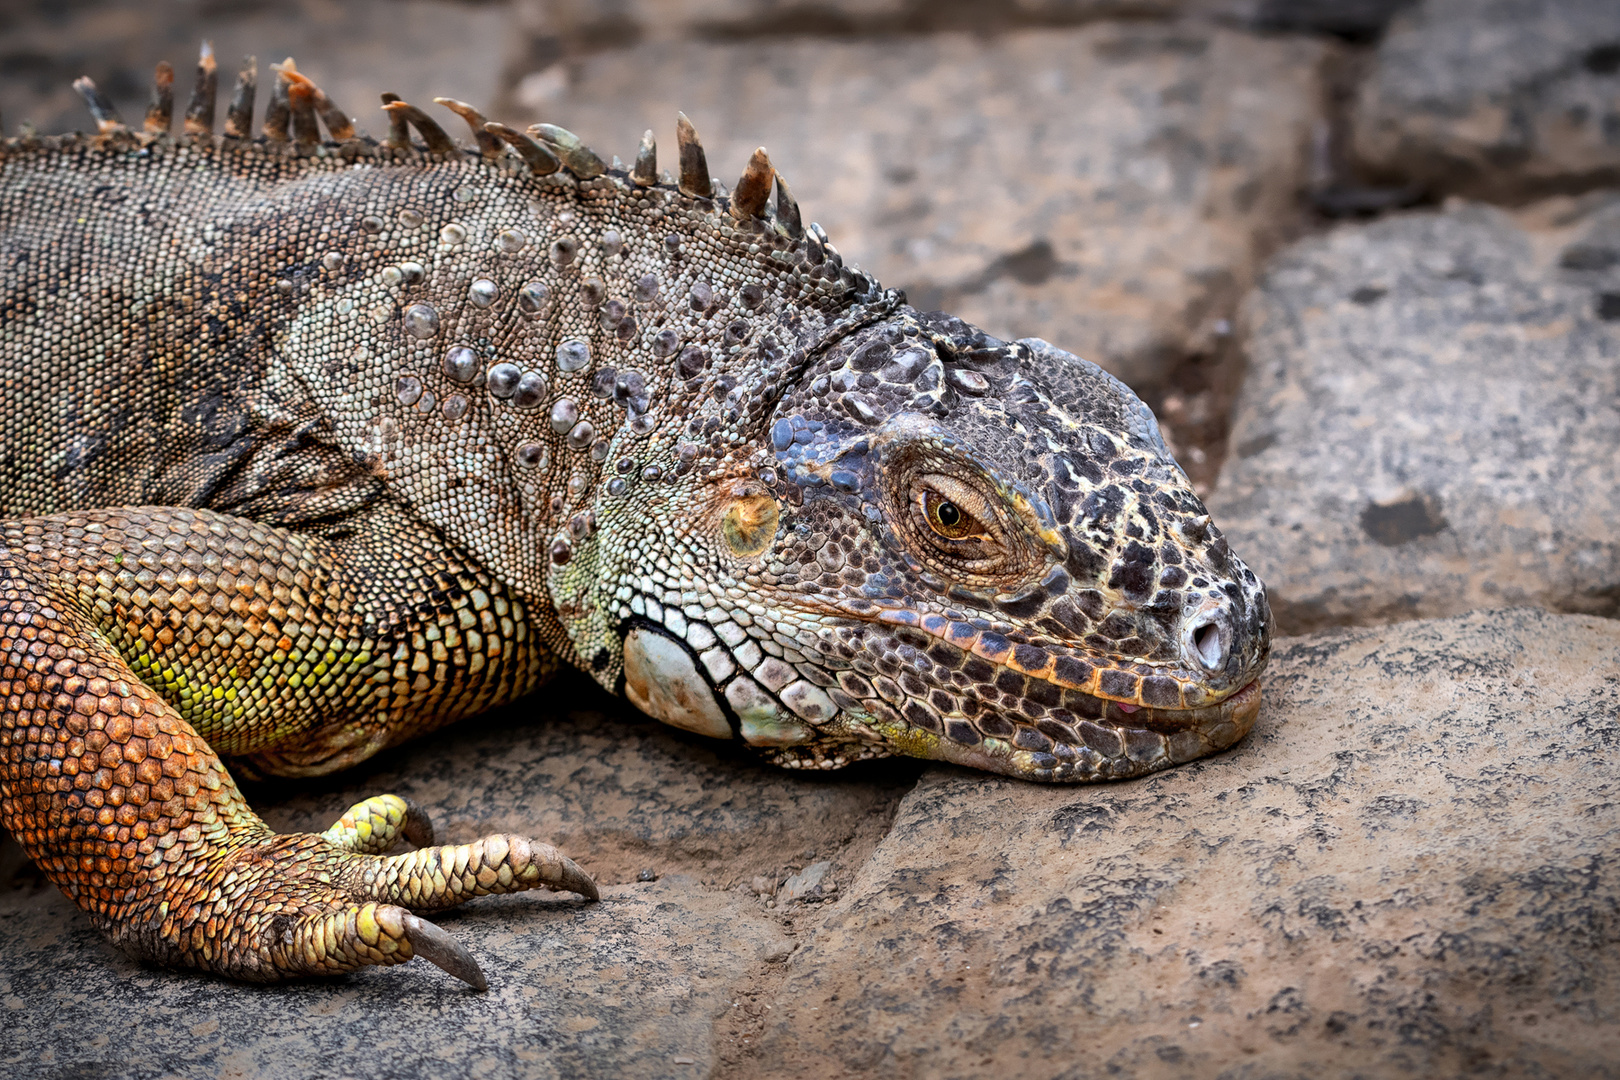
{"x": 572, "y": 878}
{"x": 437, "y": 947}
{"x": 417, "y": 827}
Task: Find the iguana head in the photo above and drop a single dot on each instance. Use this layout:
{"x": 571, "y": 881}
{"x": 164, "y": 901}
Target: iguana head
{"x": 953, "y": 547}
{"x": 851, "y": 529}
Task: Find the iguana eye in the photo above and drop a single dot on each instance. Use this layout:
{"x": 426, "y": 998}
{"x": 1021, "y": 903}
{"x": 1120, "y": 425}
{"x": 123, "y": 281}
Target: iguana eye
{"x": 960, "y": 521}
{"x": 955, "y": 523}
{"x": 947, "y": 519}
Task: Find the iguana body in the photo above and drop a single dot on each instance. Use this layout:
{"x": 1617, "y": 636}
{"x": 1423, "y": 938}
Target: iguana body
{"x": 311, "y": 447}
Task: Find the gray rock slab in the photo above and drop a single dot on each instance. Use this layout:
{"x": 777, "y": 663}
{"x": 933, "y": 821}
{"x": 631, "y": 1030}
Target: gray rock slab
{"x": 353, "y": 49}
{"x": 1430, "y": 419}
{"x": 1498, "y": 99}
{"x": 1109, "y": 188}
{"x": 1408, "y": 869}
{"x": 630, "y": 987}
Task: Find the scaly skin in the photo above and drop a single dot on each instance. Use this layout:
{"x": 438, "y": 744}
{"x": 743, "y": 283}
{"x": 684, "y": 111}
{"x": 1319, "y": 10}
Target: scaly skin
{"x": 313, "y": 447}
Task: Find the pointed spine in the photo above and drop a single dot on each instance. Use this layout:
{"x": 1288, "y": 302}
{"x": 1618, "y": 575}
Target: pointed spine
{"x": 399, "y": 132}
{"x": 828, "y": 252}
{"x": 239, "y": 117}
{"x": 695, "y": 179}
{"x": 438, "y": 142}
{"x": 645, "y": 172}
{"x": 338, "y": 125}
{"x": 160, "y": 113}
{"x": 788, "y": 218}
{"x": 306, "y": 129}
{"x": 279, "y": 111}
{"x": 541, "y": 162}
{"x": 488, "y": 145}
{"x": 108, "y": 122}
{"x": 308, "y": 102}
{"x": 754, "y": 189}
{"x": 578, "y": 158}
{"x": 200, "y": 113}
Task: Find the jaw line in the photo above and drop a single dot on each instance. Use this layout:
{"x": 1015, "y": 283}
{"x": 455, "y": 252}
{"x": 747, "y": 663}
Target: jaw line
{"x": 1238, "y": 713}
{"x": 1073, "y": 764}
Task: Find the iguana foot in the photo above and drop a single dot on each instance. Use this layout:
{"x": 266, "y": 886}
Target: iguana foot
{"x": 282, "y": 906}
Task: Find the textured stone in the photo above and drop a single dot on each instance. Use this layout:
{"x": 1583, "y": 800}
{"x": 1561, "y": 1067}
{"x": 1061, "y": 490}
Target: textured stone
{"x": 588, "y": 24}
{"x": 1109, "y": 189}
{"x": 804, "y": 883}
{"x": 629, "y": 987}
{"x": 354, "y": 49}
{"x": 1499, "y": 99}
{"x": 1430, "y": 419}
{"x": 1408, "y": 869}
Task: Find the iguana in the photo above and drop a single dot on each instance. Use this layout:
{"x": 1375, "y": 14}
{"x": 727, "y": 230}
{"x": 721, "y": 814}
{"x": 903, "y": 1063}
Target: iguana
{"x": 314, "y": 444}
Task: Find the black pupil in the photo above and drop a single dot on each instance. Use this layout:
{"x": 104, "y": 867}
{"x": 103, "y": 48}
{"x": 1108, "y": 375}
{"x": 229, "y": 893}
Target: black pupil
{"x": 949, "y": 515}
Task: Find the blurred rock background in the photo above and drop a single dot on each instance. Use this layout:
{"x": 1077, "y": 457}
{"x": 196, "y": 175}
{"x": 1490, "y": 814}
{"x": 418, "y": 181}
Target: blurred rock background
{"x": 1363, "y": 257}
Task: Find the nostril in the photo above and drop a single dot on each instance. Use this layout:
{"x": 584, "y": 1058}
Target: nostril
{"x": 1208, "y": 645}
{"x": 1207, "y": 641}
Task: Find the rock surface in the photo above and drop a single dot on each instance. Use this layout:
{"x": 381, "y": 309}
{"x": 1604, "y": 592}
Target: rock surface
{"x": 603, "y": 779}
{"x": 1430, "y": 419}
{"x": 1109, "y": 189}
{"x": 1498, "y": 99}
{"x": 1408, "y": 869}
{"x": 628, "y": 987}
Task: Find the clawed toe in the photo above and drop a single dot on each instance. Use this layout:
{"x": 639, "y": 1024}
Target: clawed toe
{"x": 437, "y": 947}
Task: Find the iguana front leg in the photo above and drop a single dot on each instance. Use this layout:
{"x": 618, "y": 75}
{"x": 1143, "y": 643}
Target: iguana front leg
{"x": 135, "y": 643}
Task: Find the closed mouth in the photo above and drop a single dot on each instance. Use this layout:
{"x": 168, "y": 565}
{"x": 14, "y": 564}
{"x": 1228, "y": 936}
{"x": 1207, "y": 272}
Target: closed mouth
{"x": 1244, "y": 701}
{"x": 1119, "y": 745}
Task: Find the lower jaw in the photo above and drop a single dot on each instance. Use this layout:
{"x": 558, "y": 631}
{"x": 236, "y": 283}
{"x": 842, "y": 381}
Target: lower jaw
{"x": 1143, "y": 750}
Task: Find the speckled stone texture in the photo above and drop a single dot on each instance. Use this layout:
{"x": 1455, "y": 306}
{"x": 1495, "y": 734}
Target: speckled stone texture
{"x": 1407, "y": 870}
{"x": 1122, "y": 226}
{"x": 627, "y": 988}
{"x": 1430, "y": 418}
{"x": 1500, "y": 99}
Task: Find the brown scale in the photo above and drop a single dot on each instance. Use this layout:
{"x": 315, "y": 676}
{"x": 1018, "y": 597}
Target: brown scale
{"x": 314, "y": 445}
